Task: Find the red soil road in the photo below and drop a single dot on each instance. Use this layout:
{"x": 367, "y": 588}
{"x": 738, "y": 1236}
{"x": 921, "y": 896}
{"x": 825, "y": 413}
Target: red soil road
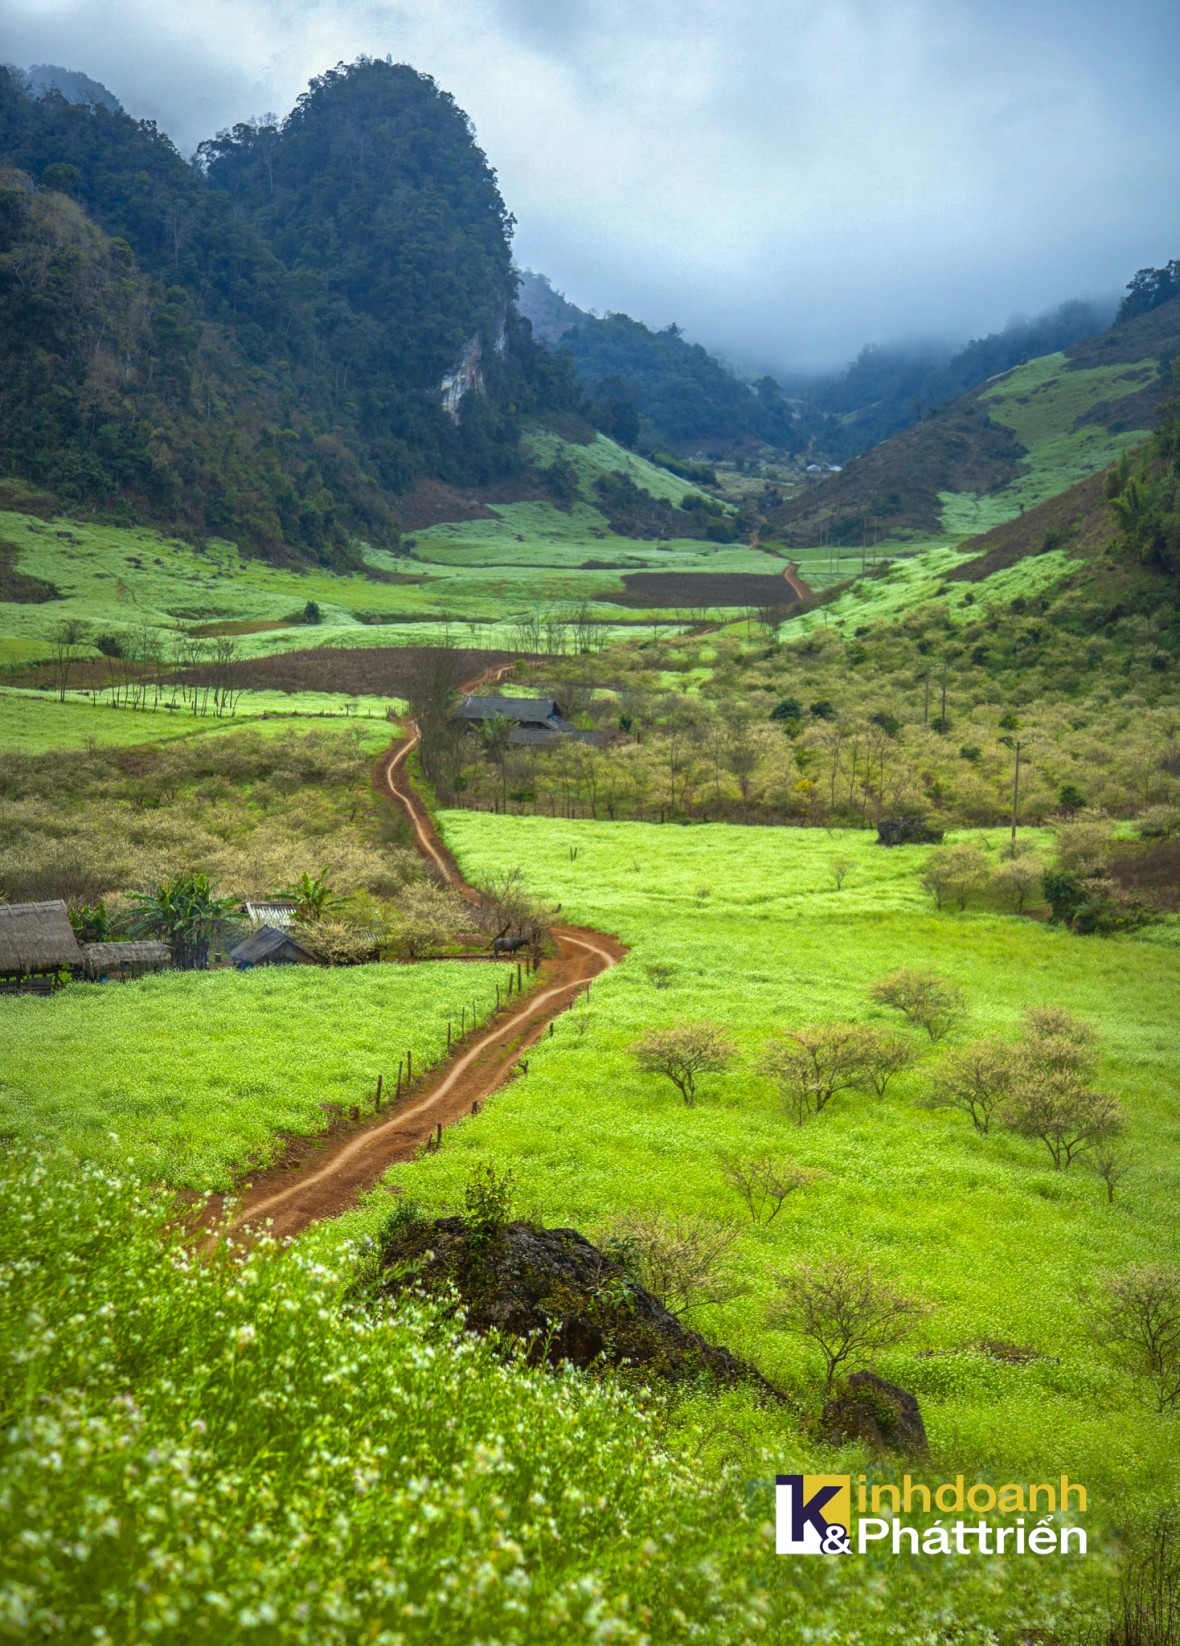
{"x": 318, "y": 1178}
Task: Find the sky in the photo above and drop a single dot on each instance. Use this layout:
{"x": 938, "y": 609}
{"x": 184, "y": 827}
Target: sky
{"x": 786, "y": 179}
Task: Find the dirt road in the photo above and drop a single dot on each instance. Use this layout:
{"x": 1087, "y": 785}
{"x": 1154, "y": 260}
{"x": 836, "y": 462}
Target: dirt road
{"x": 320, "y": 1177}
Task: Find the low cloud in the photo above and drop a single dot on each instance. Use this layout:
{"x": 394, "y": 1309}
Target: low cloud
{"x": 786, "y": 179}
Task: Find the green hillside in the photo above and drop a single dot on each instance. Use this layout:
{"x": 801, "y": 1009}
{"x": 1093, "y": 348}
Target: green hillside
{"x": 1006, "y": 445}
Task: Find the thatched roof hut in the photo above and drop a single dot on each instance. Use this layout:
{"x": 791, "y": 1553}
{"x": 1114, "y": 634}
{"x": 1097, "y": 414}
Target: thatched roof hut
{"x": 270, "y": 947}
{"x": 125, "y": 959}
{"x": 36, "y": 939}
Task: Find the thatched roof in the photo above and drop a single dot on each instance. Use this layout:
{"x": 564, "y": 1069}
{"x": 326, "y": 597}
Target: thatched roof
{"x": 268, "y": 947}
{"x": 37, "y": 937}
{"x": 145, "y": 956}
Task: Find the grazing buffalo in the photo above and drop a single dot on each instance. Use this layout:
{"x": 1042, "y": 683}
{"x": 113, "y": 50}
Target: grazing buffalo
{"x": 509, "y": 945}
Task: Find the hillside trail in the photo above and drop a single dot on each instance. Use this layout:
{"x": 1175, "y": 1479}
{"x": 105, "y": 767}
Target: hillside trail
{"x": 318, "y": 1178}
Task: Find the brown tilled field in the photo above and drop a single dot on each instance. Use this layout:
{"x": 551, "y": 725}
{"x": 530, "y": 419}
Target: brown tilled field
{"x": 693, "y": 591}
{"x": 354, "y": 671}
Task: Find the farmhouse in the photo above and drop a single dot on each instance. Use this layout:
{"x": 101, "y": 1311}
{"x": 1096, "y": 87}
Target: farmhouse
{"x": 269, "y": 946}
{"x": 123, "y": 960}
{"x": 37, "y": 944}
{"x": 536, "y": 720}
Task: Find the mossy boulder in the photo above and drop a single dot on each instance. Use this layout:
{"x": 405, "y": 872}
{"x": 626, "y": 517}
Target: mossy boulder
{"x": 566, "y": 1300}
{"x": 867, "y": 1408}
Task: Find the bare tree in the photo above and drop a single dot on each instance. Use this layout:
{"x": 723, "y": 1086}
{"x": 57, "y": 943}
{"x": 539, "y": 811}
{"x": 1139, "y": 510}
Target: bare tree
{"x": 809, "y": 1066}
{"x": 69, "y": 640}
{"x": 763, "y": 1184}
{"x": 433, "y": 681}
{"x": 1138, "y": 1320}
{"x": 1017, "y": 881}
{"x": 1056, "y": 1107}
{"x": 955, "y": 873}
{"x": 684, "y": 1052}
{"x": 927, "y": 1001}
{"x": 1054, "y": 1023}
{"x": 976, "y": 1080}
{"x": 840, "y": 868}
{"x": 1111, "y": 1164}
{"x": 507, "y": 908}
{"x": 883, "y": 1056}
{"x": 846, "y": 1308}
{"x": 681, "y": 1261}
{"x": 1147, "y": 1612}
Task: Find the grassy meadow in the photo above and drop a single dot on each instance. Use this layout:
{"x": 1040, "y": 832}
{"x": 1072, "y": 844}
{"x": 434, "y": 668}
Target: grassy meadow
{"x": 195, "y": 1076}
{"x": 752, "y": 934}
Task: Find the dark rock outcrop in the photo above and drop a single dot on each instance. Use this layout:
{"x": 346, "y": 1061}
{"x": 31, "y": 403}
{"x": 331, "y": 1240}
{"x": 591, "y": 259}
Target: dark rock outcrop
{"x": 558, "y": 1293}
{"x": 867, "y": 1408}
{"x": 906, "y": 831}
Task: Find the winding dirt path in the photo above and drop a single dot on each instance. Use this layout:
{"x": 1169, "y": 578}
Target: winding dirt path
{"x": 803, "y": 590}
{"x": 321, "y": 1178}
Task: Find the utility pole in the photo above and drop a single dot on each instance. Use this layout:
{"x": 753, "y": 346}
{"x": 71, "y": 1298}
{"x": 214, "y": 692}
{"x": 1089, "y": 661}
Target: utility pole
{"x": 942, "y": 722}
{"x": 1015, "y": 791}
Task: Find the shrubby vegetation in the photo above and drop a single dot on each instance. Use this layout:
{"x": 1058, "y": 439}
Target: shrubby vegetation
{"x": 252, "y": 811}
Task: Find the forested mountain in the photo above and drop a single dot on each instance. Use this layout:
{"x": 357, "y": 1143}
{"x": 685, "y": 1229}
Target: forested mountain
{"x": 548, "y": 311}
{"x": 654, "y": 387}
{"x": 255, "y": 345}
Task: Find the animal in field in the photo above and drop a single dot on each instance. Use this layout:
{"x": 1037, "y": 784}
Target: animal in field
{"x": 509, "y": 945}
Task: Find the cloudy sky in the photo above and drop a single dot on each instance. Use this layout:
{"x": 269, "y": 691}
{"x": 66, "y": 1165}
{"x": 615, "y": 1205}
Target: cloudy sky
{"x": 787, "y": 179}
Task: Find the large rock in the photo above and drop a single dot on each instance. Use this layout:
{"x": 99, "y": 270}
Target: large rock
{"x": 906, "y": 831}
{"x": 556, "y": 1291}
{"x": 869, "y": 1409}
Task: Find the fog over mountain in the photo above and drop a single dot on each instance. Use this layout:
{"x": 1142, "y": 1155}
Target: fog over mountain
{"x": 784, "y": 178}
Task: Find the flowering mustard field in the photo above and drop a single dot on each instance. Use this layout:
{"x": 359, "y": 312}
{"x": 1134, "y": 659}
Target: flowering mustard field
{"x": 190, "y": 1076}
{"x": 745, "y": 927}
{"x": 227, "y": 1451}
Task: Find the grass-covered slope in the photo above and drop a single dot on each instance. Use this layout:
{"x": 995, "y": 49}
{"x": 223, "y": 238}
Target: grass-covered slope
{"x": 197, "y": 1076}
{"x": 746, "y": 928}
{"x": 1003, "y": 447}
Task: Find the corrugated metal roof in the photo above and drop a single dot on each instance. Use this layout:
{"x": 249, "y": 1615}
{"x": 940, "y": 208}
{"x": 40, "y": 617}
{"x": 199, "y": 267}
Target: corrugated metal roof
{"x": 267, "y": 943}
{"x": 37, "y": 937}
{"x": 271, "y": 914}
{"x": 527, "y": 711}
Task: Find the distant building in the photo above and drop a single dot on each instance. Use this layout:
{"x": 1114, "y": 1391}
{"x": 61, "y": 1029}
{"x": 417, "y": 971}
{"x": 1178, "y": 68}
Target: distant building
{"x": 278, "y": 914}
{"x": 269, "y": 946}
{"x": 105, "y": 961}
{"x": 537, "y": 720}
{"x": 37, "y": 945}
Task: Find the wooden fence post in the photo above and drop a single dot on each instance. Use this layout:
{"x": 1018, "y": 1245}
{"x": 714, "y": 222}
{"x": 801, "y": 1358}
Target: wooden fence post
{"x": 400, "y": 1062}
{"x": 448, "y": 1034}
{"x": 377, "y": 1099}
{"x": 409, "y": 1068}
{"x": 518, "y": 977}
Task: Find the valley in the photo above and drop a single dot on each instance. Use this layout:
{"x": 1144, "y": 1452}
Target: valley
{"x": 749, "y": 865}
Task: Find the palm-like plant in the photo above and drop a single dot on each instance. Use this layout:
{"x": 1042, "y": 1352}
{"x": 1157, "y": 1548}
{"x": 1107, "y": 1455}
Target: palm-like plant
{"x": 313, "y": 898}
{"x": 185, "y": 911}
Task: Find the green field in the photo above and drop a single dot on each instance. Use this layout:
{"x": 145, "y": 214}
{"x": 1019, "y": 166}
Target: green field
{"x": 1045, "y": 404}
{"x": 759, "y": 939}
{"x": 32, "y": 721}
{"x": 192, "y": 1076}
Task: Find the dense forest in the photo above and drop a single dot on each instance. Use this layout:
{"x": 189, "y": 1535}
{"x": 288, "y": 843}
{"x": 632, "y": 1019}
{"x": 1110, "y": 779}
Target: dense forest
{"x": 254, "y": 344}
{"x": 655, "y": 388}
